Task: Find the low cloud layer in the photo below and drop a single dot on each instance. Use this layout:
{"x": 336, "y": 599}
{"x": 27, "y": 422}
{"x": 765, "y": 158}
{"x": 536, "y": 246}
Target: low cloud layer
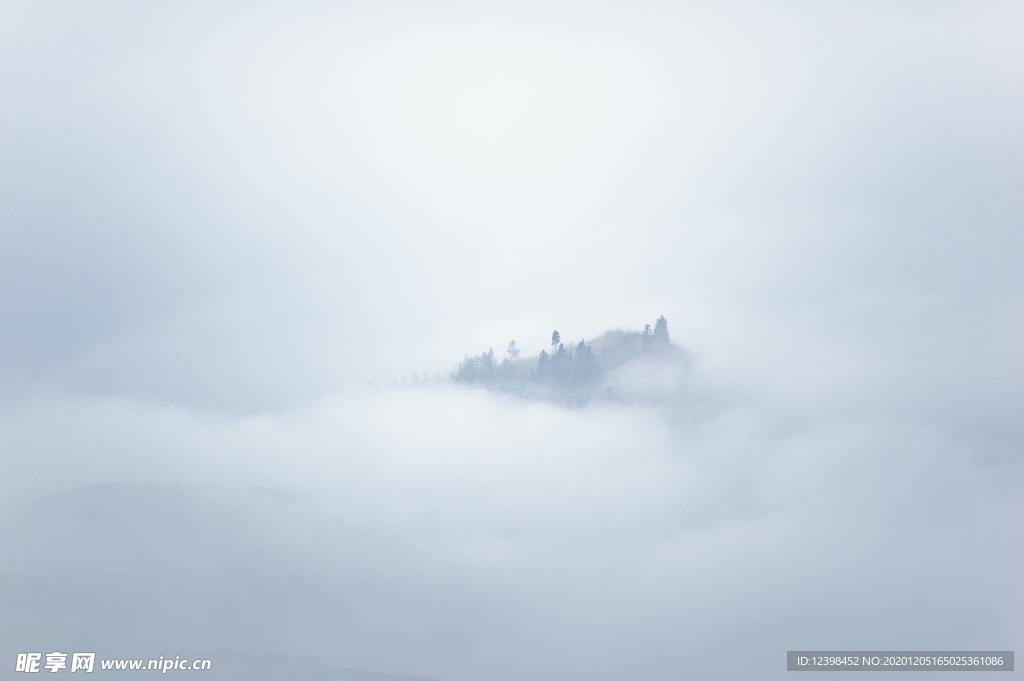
{"x": 460, "y": 535}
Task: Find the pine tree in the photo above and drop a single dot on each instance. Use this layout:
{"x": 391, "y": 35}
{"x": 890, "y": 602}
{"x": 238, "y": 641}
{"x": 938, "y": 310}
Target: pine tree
{"x": 661, "y": 330}
{"x": 583, "y": 364}
{"x": 556, "y": 338}
{"x": 469, "y": 370}
{"x": 487, "y": 365}
{"x": 542, "y": 366}
{"x": 560, "y": 366}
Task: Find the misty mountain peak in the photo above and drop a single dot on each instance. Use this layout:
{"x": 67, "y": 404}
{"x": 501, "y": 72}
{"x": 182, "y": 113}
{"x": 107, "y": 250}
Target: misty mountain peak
{"x": 573, "y": 371}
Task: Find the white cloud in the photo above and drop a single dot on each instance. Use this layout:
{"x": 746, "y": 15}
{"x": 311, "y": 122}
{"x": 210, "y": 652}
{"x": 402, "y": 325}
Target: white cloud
{"x": 463, "y": 535}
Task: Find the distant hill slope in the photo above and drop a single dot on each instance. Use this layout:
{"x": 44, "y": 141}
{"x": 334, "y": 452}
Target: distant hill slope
{"x": 99, "y": 559}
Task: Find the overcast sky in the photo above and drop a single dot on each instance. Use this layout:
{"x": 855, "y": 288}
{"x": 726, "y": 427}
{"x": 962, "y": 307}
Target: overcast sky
{"x": 218, "y": 222}
{"x": 243, "y": 206}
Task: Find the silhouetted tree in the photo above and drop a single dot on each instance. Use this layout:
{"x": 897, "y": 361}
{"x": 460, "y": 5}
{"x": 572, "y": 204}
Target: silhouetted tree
{"x": 560, "y": 366}
{"x": 469, "y": 370}
{"x": 512, "y": 350}
{"x": 478, "y": 369}
{"x": 661, "y": 330}
{"x": 542, "y": 366}
{"x": 584, "y": 366}
{"x": 556, "y": 338}
{"x": 487, "y": 365}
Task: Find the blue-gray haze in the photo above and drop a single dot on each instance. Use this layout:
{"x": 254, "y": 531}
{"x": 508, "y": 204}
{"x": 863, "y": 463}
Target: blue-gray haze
{"x": 232, "y": 233}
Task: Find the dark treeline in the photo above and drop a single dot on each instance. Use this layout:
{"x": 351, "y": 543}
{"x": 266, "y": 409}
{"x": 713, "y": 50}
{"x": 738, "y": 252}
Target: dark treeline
{"x": 563, "y": 366}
